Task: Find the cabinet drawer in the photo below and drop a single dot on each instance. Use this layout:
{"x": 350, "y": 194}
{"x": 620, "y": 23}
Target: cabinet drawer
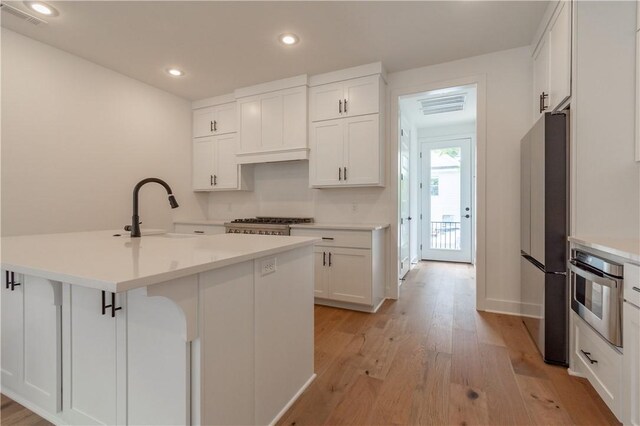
{"x": 604, "y": 369}
{"x": 337, "y": 238}
{"x": 199, "y": 229}
{"x": 632, "y": 283}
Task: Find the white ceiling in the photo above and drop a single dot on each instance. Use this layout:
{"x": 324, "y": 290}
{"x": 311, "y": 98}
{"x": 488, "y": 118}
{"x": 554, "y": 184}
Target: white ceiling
{"x": 410, "y": 108}
{"x": 226, "y": 45}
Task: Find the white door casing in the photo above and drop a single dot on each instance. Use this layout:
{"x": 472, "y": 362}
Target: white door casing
{"x": 405, "y": 201}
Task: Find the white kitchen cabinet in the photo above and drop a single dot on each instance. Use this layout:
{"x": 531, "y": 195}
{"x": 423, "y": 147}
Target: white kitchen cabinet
{"x": 197, "y": 228}
{"x": 273, "y": 126}
{"x": 215, "y": 167}
{"x": 349, "y": 267}
{"x": 594, "y": 358}
{"x": 552, "y": 61}
{"x": 346, "y": 152}
{"x": 214, "y": 120}
{"x": 31, "y": 332}
{"x": 631, "y": 364}
{"x": 349, "y": 98}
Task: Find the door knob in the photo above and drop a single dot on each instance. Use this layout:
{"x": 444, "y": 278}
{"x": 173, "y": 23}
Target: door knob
{"x": 409, "y": 218}
{"x": 467, "y": 216}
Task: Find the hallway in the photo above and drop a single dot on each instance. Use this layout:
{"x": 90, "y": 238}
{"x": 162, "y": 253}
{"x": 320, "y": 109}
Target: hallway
{"x": 430, "y": 358}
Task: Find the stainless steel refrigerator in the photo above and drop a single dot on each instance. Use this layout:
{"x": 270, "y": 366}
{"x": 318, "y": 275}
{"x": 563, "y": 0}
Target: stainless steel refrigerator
{"x": 543, "y": 236}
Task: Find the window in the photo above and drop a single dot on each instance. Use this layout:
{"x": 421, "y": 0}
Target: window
{"x": 435, "y": 186}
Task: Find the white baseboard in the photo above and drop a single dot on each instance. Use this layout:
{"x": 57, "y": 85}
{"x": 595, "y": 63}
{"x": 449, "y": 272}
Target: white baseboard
{"x": 33, "y": 407}
{"x": 350, "y": 306}
{"x": 508, "y": 307}
{"x": 292, "y": 400}
{"x": 575, "y": 373}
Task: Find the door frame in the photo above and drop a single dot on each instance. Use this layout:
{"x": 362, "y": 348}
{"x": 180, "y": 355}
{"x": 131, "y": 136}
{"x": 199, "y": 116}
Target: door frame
{"x": 472, "y": 142}
{"x": 408, "y": 177}
{"x": 480, "y": 81}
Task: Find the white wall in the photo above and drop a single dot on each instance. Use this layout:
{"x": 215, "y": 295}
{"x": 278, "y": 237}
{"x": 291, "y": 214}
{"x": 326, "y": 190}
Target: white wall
{"x": 76, "y": 137}
{"x": 508, "y": 78}
{"x": 281, "y": 188}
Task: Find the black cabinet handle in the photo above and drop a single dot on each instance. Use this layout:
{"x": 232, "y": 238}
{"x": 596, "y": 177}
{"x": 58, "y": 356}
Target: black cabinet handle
{"x": 543, "y": 97}
{"x": 215, "y": 126}
{"x": 636, "y": 289}
{"x": 345, "y": 106}
{"x": 112, "y": 305}
{"x": 328, "y": 238}
{"x": 215, "y": 180}
{"x": 10, "y": 280}
{"x": 211, "y": 180}
{"x": 198, "y": 232}
{"x": 324, "y": 258}
{"x": 329, "y": 258}
{"x": 339, "y": 173}
{"x": 345, "y": 173}
{"x": 340, "y": 106}
{"x": 587, "y": 355}
{"x": 211, "y": 126}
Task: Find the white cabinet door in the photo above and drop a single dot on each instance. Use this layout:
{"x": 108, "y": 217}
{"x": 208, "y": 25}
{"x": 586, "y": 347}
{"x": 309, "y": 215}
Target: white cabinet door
{"x": 320, "y": 272}
{"x": 42, "y": 363}
{"x": 225, "y": 119}
{"x": 92, "y": 351}
{"x": 250, "y": 123}
{"x": 560, "y": 56}
{"x": 362, "y": 150}
{"x": 203, "y": 122}
{"x": 326, "y": 101}
{"x": 294, "y": 126}
{"x": 327, "y": 153}
{"x": 12, "y": 333}
{"x": 541, "y": 78}
{"x": 362, "y": 96}
{"x": 350, "y": 275}
{"x": 203, "y": 163}
{"x": 226, "y": 168}
{"x": 631, "y": 367}
{"x": 272, "y": 128}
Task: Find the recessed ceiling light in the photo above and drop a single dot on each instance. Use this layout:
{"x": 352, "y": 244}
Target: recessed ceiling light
{"x": 41, "y": 8}
{"x": 175, "y": 72}
{"x": 289, "y": 39}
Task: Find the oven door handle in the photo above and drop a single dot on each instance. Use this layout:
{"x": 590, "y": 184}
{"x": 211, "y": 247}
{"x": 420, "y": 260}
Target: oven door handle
{"x": 607, "y": 282}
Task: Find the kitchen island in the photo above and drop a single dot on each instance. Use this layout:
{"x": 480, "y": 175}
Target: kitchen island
{"x": 101, "y": 328}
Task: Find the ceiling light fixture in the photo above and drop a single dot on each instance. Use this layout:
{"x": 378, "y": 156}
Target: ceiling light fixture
{"x": 42, "y": 8}
{"x": 175, "y": 72}
{"x": 289, "y": 39}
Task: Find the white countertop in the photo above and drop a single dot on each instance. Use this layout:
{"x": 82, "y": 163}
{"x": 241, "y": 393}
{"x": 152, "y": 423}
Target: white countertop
{"x": 627, "y": 248}
{"x": 119, "y": 263}
{"x": 342, "y": 226}
{"x": 217, "y": 222}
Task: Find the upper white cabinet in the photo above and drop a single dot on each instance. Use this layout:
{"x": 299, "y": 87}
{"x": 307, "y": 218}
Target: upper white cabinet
{"x": 346, "y": 137}
{"x": 552, "y": 61}
{"x": 272, "y": 121}
{"x": 358, "y": 96}
{"x": 346, "y": 152}
{"x": 214, "y": 120}
{"x": 215, "y": 143}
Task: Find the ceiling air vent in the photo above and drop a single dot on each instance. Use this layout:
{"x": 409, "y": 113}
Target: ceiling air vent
{"x": 4, "y": 7}
{"x": 442, "y": 103}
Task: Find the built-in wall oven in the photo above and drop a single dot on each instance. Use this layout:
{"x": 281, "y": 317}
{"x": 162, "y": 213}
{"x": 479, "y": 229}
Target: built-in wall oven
{"x": 596, "y": 293}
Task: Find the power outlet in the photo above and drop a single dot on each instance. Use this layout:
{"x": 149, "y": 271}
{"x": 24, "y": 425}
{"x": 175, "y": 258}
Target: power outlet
{"x": 268, "y": 266}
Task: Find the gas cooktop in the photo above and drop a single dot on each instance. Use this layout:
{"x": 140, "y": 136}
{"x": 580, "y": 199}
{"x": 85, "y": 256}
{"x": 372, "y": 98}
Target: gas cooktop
{"x": 263, "y": 225}
{"x": 274, "y": 220}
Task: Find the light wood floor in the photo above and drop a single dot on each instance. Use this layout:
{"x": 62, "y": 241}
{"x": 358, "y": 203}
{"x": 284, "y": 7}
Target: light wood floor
{"x": 428, "y": 358}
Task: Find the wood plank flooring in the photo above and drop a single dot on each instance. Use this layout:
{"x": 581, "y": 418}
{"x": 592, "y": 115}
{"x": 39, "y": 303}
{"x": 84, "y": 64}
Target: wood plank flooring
{"x": 428, "y": 358}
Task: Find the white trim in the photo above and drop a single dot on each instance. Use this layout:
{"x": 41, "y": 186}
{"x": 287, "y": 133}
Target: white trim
{"x": 272, "y": 86}
{"x": 574, "y": 373}
{"x": 480, "y": 80}
{"x": 293, "y": 399}
{"x": 216, "y": 100}
{"x": 351, "y": 306}
{"x": 500, "y": 306}
{"x": 289, "y": 154}
{"x": 348, "y": 73}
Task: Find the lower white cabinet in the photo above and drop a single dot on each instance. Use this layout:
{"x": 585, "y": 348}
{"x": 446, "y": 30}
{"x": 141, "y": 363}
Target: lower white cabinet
{"x": 631, "y": 364}
{"x": 349, "y": 267}
{"x": 31, "y": 331}
{"x": 202, "y": 229}
{"x": 595, "y": 359}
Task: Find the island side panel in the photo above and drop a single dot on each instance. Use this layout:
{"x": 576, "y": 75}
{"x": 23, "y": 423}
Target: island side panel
{"x": 283, "y": 330}
{"x": 226, "y": 343}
